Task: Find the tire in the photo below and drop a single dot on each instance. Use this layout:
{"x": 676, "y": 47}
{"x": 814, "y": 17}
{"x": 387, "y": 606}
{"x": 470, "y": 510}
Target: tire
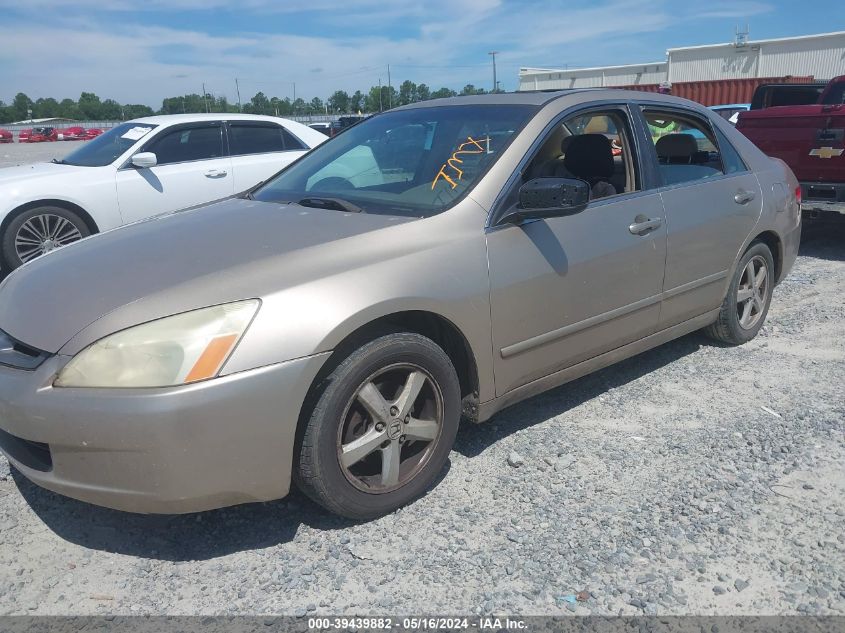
{"x": 59, "y": 227}
{"x": 733, "y": 326}
{"x": 341, "y": 427}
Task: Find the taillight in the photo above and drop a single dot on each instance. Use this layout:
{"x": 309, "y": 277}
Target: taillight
{"x": 798, "y": 194}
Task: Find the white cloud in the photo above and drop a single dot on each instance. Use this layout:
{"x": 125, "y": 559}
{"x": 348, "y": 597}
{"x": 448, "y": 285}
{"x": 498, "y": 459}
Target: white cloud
{"x": 124, "y": 57}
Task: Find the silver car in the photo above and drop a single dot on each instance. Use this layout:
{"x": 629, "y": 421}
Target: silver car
{"x": 332, "y": 326}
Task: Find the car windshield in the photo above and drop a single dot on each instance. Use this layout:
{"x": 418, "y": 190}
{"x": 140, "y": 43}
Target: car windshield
{"x": 107, "y": 147}
{"x": 415, "y": 162}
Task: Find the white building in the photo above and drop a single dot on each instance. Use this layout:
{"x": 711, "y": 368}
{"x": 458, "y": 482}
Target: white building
{"x": 821, "y": 56}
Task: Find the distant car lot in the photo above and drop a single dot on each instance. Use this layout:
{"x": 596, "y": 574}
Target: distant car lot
{"x": 25, "y": 153}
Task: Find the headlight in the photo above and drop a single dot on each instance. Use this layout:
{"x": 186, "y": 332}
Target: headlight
{"x": 172, "y": 351}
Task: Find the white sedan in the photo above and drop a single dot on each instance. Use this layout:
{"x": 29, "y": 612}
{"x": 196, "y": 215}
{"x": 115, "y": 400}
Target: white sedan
{"x": 139, "y": 169}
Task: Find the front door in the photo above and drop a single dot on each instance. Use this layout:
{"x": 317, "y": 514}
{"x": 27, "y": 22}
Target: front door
{"x": 191, "y": 169}
{"x": 566, "y": 289}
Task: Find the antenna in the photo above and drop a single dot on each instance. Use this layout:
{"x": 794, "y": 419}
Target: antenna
{"x": 741, "y": 37}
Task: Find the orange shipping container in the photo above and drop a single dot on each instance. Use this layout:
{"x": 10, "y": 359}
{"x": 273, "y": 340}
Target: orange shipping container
{"x": 721, "y": 91}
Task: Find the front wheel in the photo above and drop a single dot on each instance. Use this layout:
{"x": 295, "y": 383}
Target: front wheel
{"x": 747, "y": 303}
{"x": 38, "y": 231}
{"x": 382, "y": 428}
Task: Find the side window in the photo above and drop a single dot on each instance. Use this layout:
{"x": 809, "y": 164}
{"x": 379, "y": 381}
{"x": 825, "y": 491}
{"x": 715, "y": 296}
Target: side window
{"x": 255, "y": 139}
{"x": 731, "y": 160}
{"x": 594, "y": 146}
{"x": 685, "y": 145}
{"x": 291, "y": 142}
{"x": 187, "y": 144}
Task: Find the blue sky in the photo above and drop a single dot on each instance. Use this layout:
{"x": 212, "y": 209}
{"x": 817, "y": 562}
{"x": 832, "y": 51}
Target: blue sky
{"x": 139, "y": 51}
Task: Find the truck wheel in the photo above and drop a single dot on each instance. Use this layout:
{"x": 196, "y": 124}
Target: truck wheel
{"x": 747, "y": 303}
{"x": 38, "y": 231}
{"x": 382, "y": 428}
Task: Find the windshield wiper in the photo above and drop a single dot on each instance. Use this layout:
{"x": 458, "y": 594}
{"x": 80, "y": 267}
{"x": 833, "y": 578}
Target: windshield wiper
{"x": 338, "y": 204}
{"x": 59, "y": 162}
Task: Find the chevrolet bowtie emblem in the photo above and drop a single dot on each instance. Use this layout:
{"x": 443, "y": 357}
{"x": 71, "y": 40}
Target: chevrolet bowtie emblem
{"x": 826, "y": 152}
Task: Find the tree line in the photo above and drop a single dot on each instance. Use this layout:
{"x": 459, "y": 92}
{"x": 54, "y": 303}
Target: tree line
{"x": 90, "y": 107}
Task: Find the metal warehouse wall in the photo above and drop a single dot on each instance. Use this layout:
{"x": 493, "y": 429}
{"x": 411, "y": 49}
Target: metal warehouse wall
{"x": 531, "y": 79}
{"x": 819, "y": 56}
{"x": 802, "y": 58}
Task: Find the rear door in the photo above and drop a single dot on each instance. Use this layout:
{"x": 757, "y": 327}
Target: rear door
{"x": 259, "y": 149}
{"x": 566, "y": 289}
{"x": 192, "y": 169}
{"x": 712, "y": 202}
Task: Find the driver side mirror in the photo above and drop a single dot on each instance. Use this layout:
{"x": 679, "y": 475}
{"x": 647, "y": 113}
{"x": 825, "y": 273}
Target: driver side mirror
{"x": 144, "y": 160}
{"x": 549, "y": 198}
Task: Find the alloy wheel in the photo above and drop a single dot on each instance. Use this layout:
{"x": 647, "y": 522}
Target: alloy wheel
{"x": 752, "y": 292}
{"x": 389, "y": 428}
{"x": 43, "y": 233}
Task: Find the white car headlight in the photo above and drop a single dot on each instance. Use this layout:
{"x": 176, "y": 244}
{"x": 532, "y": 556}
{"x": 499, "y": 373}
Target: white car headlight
{"x": 172, "y": 351}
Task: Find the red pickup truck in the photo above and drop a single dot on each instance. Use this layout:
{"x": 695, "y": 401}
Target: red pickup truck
{"x": 811, "y": 140}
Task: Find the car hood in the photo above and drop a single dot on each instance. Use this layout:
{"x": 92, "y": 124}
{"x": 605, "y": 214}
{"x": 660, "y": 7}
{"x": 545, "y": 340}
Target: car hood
{"x": 14, "y": 175}
{"x": 231, "y": 250}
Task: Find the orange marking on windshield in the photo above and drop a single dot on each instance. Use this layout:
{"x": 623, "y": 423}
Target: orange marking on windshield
{"x": 456, "y": 172}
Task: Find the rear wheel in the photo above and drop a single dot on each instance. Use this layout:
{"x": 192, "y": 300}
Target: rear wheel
{"x": 382, "y": 428}
{"x": 747, "y": 303}
{"x": 38, "y": 231}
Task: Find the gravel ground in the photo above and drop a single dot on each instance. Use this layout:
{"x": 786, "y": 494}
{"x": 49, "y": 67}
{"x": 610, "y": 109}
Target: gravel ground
{"x": 692, "y": 479}
{"x": 12, "y": 154}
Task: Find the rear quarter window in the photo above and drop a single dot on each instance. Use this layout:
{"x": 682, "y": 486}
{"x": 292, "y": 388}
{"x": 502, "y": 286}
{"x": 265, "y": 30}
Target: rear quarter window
{"x": 731, "y": 160}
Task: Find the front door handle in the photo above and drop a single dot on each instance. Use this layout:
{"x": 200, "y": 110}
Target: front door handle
{"x": 215, "y": 173}
{"x": 643, "y": 225}
{"x": 744, "y": 197}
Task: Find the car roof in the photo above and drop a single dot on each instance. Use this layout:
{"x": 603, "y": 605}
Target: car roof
{"x": 542, "y": 97}
{"x": 526, "y": 97}
{"x": 171, "y": 119}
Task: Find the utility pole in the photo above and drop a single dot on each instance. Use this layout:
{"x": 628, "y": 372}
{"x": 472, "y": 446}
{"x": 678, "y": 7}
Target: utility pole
{"x": 238, "y": 89}
{"x": 293, "y": 103}
{"x": 389, "y": 90}
{"x": 379, "y": 95}
{"x": 205, "y": 97}
{"x": 495, "y": 83}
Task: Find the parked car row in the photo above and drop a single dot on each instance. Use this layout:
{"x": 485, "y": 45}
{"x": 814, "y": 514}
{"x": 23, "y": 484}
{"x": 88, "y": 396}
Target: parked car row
{"x": 333, "y": 128}
{"x": 331, "y": 325}
{"x": 78, "y": 133}
{"x": 44, "y": 134}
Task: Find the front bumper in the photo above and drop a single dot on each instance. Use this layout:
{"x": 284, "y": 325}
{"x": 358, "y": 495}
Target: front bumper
{"x": 183, "y": 449}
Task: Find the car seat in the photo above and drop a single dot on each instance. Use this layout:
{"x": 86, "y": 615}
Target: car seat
{"x": 676, "y": 149}
{"x": 590, "y": 157}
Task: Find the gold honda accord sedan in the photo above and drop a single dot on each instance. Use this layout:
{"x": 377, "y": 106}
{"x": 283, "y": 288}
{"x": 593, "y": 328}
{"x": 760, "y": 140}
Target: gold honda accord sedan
{"x": 333, "y": 325}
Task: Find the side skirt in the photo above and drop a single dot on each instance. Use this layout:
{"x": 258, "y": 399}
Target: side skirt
{"x": 487, "y": 409}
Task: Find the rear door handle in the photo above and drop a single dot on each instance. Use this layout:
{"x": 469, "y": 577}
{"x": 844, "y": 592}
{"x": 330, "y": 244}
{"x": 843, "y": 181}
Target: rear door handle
{"x": 215, "y": 173}
{"x": 744, "y": 197}
{"x": 642, "y": 225}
